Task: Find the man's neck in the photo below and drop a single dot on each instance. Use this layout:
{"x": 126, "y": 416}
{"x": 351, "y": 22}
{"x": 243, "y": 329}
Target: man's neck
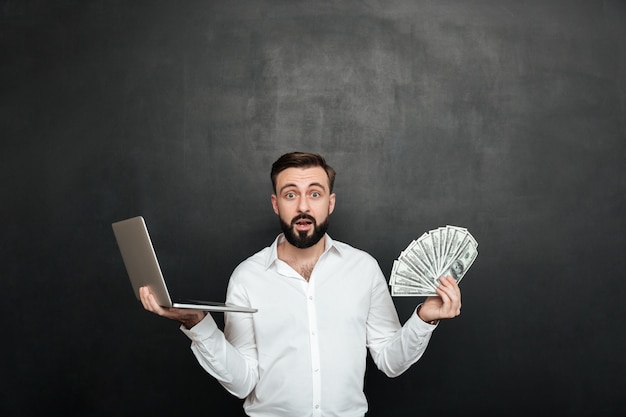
{"x": 301, "y": 260}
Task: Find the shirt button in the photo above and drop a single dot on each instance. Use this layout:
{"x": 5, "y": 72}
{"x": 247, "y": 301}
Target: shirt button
{"x": 311, "y": 297}
{"x": 317, "y": 406}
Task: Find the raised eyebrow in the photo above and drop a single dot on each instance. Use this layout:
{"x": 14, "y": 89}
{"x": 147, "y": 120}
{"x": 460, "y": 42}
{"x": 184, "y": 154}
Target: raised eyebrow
{"x": 313, "y": 184}
{"x": 285, "y": 187}
{"x": 317, "y": 184}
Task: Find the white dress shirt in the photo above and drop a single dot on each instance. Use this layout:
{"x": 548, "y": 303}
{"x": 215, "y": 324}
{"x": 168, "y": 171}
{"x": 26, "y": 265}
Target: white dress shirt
{"x": 304, "y": 352}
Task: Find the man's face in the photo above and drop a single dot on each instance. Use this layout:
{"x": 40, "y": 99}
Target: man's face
{"x": 457, "y": 267}
{"x": 303, "y": 203}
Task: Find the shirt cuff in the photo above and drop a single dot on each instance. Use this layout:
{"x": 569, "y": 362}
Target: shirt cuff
{"x": 420, "y": 325}
{"x": 201, "y": 331}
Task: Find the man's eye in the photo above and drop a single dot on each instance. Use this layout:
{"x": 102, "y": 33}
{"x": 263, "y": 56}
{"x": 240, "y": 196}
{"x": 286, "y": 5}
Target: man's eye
{"x": 315, "y": 194}
{"x": 290, "y": 195}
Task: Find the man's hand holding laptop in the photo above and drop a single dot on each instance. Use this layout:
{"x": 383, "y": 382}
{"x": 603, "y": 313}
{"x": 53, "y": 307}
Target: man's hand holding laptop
{"x": 187, "y": 317}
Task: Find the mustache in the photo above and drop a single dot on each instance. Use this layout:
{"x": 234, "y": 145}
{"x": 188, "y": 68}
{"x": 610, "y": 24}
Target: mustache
{"x": 303, "y": 216}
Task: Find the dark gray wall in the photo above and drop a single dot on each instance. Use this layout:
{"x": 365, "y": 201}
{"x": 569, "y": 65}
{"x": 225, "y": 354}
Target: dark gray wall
{"x": 506, "y": 117}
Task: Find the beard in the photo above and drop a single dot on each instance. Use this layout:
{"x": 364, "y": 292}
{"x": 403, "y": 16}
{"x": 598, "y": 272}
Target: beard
{"x": 302, "y": 240}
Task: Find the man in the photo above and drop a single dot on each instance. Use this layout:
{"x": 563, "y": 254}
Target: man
{"x": 321, "y": 305}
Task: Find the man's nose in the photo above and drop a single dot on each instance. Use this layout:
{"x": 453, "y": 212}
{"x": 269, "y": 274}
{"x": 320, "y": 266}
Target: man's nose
{"x": 303, "y": 204}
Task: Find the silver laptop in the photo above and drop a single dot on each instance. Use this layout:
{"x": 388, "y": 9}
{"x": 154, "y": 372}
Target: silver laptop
{"x": 144, "y": 270}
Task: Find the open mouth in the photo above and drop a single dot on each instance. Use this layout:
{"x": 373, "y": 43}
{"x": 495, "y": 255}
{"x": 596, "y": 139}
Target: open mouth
{"x": 303, "y": 223}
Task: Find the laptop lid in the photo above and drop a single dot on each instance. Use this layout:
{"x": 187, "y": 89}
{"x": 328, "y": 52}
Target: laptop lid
{"x": 143, "y": 267}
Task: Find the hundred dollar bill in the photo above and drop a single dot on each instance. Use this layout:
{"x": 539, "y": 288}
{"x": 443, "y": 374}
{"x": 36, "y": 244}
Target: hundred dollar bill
{"x": 403, "y": 275}
{"x": 411, "y": 289}
{"x": 443, "y": 242}
{"x": 459, "y": 266}
{"x": 435, "y": 236}
{"x": 426, "y": 243}
{"x": 412, "y": 261}
{"x": 450, "y": 233}
{"x": 458, "y": 240}
{"x": 416, "y": 250}
{"x": 407, "y": 278}
{"x": 398, "y": 291}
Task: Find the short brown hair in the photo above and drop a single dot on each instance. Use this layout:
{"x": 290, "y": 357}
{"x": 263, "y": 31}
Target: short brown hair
{"x": 302, "y": 160}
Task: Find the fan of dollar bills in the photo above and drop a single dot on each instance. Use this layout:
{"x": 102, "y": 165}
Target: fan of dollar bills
{"x": 448, "y": 250}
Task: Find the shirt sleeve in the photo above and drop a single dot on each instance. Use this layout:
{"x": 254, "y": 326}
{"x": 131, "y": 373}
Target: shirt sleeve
{"x": 237, "y": 371}
{"x": 394, "y": 348}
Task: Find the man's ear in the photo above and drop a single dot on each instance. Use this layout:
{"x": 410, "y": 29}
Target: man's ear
{"x": 274, "y": 203}
{"x": 331, "y": 203}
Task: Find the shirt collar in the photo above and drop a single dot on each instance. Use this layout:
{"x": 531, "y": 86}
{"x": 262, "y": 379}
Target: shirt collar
{"x": 272, "y": 257}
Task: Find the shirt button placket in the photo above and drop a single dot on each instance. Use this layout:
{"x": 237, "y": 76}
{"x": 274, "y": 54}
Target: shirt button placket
{"x": 315, "y": 353}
